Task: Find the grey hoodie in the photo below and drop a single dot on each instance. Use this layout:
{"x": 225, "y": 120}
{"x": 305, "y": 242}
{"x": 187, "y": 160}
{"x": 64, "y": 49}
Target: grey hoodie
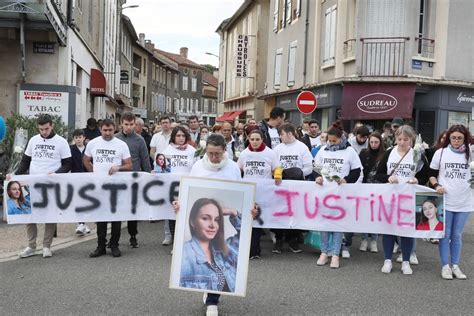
{"x": 138, "y": 151}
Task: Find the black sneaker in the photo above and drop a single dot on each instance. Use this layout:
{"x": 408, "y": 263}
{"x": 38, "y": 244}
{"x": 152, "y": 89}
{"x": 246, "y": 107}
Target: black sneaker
{"x": 278, "y": 247}
{"x": 99, "y": 251}
{"x": 109, "y": 245}
{"x": 295, "y": 247}
{"x": 116, "y": 252}
{"x": 133, "y": 242}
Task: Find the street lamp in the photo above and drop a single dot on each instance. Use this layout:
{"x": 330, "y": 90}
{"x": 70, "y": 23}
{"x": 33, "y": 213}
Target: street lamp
{"x": 130, "y": 6}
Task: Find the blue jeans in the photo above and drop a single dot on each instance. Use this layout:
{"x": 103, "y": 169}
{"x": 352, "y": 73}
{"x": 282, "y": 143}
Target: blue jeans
{"x": 452, "y": 241}
{"x": 406, "y": 244}
{"x": 348, "y": 238}
{"x": 334, "y": 248}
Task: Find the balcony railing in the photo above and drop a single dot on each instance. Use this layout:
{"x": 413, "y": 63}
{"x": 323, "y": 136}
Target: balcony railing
{"x": 349, "y": 48}
{"x": 425, "y": 47}
{"x": 383, "y": 56}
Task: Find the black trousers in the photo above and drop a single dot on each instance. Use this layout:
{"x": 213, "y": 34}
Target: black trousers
{"x": 255, "y": 242}
{"x": 102, "y": 234}
{"x": 132, "y": 227}
{"x": 291, "y": 235}
{"x": 172, "y": 224}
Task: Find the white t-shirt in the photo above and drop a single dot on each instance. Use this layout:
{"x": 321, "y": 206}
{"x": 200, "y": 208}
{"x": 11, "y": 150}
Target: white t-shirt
{"x": 274, "y": 136}
{"x": 295, "y": 155}
{"x": 160, "y": 141}
{"x": 315, "y": 141}
{"x": 338, "y": 163}
{"x": 258, "y": 164}
{"x": 228, "y": 148}
{"x": 106, "y": 153}
{"x": 406, "y": 170}
{"x": 454, "y": 174}
{"x": 357, "y": 147}
{"x": 180, "y": 161}
{"x": 230, "y": 171}
{"x": 46, "y": 153}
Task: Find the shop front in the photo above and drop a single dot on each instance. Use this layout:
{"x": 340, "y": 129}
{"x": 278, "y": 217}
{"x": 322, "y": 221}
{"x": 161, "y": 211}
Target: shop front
{"x": 328, "y": 104}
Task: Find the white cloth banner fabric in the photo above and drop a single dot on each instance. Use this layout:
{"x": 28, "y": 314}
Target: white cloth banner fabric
{"x": 359, "y": 208}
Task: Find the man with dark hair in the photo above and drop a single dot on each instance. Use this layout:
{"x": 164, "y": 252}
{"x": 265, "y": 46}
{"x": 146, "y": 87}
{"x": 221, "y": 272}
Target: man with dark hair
{"x": 161, "y": 140}
{"x": 312, "y": 138}
{"x": 193, "y": 122}
{"x": 46, "y": 153}
{"x": 140, "y": 160}
{"x": 305, "y": 126}
{"x": 361, "y": 139}
{"x": 110, "y": 155}
{"x": 92, "y": 130}
{"x": 230, "y": 141}
{"x": 270, "y": 128}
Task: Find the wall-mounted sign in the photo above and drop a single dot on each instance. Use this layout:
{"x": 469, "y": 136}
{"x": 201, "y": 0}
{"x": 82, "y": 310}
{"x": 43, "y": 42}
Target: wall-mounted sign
{"x": 417, "y": 64}
{"x": 242, "y": 56}
{"x": 98, "y": 82}
{"x": 124, "y": 76}
{"x": 32, "y": 103}
{"x": 377, "y": 103}
{"x": 43, "y": 48}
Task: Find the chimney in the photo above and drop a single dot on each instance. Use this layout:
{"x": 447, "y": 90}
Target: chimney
{"x": 141, "y": 38}
{"x": 149, "y": 45}
{"x": 183, "y": 51}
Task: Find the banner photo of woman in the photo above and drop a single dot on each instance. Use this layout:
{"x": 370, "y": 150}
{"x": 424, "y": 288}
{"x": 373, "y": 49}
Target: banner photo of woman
{"x": 212, "y": 236}
{"x": 18, "y": 198}
{"x": 429, "y": 215}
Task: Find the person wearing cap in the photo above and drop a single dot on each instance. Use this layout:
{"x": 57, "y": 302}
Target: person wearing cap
{"x": 390, "y": 139}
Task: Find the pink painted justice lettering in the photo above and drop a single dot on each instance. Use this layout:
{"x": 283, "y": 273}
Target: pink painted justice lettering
{"x": 333, "y": 207}
{"x": 308, "y": 212}
{"x": 288, "y": 195}
{"x": 357, "y": 199}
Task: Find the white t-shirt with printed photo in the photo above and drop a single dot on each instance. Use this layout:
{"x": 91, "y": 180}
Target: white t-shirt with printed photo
{"x": 180, "y": 161}
{"x": 295, "y": 155}
{"x": 406, "y": 170}
{"x": 106, "y": 153}
{"x": 454, "y": 174}
{"x": 160, "y": 141}
{"x": 258, "y": 164}
{"x": 338, "y": 163}
{"x": 46, "y": 153}
{"x": 274, "y": 136}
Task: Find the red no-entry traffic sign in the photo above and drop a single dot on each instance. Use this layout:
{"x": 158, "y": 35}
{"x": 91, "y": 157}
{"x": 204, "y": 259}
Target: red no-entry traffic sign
{"x": 306, "y": 102}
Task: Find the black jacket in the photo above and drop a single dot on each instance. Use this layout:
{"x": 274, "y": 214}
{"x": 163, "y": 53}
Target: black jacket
{"x": 76, "y": 155}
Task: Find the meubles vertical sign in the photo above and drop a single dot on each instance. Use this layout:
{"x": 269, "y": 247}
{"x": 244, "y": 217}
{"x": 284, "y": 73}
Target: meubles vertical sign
{"x": 242, "y": 56}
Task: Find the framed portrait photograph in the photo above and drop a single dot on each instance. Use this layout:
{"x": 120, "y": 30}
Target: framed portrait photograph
{"x": 212, "y": 236}
{"x": 430, "y": 218}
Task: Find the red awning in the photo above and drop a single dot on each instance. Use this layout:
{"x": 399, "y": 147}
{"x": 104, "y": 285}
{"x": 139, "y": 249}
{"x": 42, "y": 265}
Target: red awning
{"x": 229, "y": 116}
{"x": 222, "y": 118}
{"x": 377, "y": 101}
{"x": 98, "y": 83}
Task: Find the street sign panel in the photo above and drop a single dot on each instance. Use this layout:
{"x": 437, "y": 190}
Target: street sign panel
{"x": 306, "y": 102}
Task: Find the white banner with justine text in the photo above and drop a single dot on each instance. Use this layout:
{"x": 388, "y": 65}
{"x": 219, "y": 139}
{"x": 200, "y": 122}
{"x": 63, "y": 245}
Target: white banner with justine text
{"x": 396, "y": 209}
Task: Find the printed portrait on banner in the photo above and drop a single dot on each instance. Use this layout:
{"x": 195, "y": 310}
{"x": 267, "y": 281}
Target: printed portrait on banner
{"x": 212, "y": 237}
{"x": 17, "y": 199}
{"x": 429, "y": 214}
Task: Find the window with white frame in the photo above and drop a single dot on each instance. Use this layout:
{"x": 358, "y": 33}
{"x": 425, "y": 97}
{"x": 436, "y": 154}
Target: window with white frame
{"x": 330, "y": 36}
{"x": 185, "y": 83}
{"x": 288, "y": 11}
{"x": 298, "y": 8}
{"x": 292, "y": 63}
{"x": 277, "y": 68}
{"x": 188, "y": 105}
{"x": 193, "y": 84}
{"x": 275, "y": 16}
{"x": 176, "y": 81}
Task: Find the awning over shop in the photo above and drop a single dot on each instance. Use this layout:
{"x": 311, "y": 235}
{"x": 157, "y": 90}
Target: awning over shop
{"x": 98, "y": 83}
{"x": 377, "y": 101}
{"x": 229, "y": 116}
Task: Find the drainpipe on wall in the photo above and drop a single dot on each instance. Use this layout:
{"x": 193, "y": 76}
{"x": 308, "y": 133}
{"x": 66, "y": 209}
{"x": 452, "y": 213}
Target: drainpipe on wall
{"x": 306, "y": 27}
{"x": 22, "y": 47}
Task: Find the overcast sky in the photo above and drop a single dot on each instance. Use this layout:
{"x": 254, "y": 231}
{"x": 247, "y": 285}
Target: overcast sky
{"x": 172, "y": 24}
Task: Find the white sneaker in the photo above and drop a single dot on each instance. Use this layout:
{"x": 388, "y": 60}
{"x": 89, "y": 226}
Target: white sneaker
{"x": 400, "y": 258}
{"x": 204, "y": 298}
{"x": 387, "y": 266}
{"x": 373, "y": 246}
{"x": 458, "y": 273}
{"x": 273, "y": 237}
{"x": 212, "y": 310}
{"x": 406, "y": 269}
{"x": 395, "y": 248}
{"x": 323, "y": 259}
{"x": 446, "y": 272}
{"x": 167, "y": 241}
{"x": 47, "y": 253}
{"x": 363, "y": 245}
{"x": 413, "y": 258}
{"x": 346, "y": 254}
{"x": 28, "y": 252}
{"x": 82, "y": 229}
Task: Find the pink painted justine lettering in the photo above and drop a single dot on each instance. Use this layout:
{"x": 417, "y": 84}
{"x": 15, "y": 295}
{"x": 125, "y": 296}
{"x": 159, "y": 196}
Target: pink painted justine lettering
{"x": 308, "y": 212}
{"x": 400, "y": 211}
{"x": 382, "y": 209}
{"x": 357, "y": 199}
{"x": 288, "y": 195}
{"x": 341, "y": 210}
{"x": 372, "y": 202}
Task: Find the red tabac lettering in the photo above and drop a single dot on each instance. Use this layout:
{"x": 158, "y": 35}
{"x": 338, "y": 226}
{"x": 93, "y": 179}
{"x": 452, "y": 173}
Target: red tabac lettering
{"x": 288, "y": 195}
{"x": 333, "y": 207}
{"x": 401, "y": 211}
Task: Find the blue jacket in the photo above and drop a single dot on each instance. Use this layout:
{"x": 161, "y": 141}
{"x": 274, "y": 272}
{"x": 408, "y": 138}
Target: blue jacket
{"x": 196, "y": 273}
{"x": 15, "y": 210}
